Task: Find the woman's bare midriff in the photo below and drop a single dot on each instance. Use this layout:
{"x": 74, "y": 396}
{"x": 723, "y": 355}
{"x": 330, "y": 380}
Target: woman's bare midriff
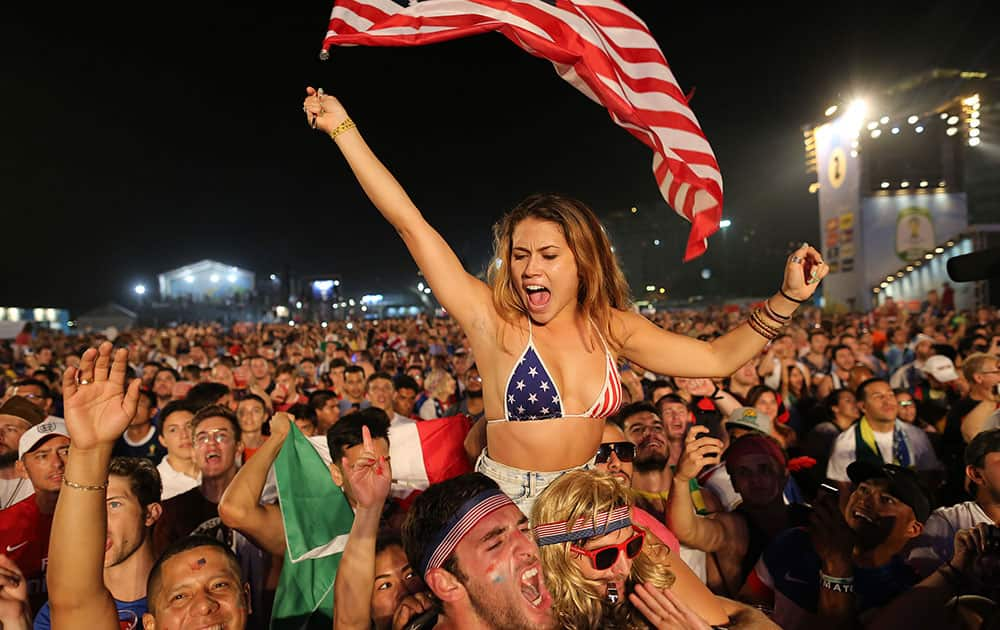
{"x": 544, "y": 445}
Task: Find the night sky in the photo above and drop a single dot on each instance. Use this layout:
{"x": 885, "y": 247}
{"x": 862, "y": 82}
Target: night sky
{"x": 140, "y": 140}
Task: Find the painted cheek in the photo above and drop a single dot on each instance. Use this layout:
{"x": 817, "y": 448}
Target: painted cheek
{"x": 492, "y": 574}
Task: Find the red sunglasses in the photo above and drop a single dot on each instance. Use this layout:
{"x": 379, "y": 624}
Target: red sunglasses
{"x": 604, "y": 558}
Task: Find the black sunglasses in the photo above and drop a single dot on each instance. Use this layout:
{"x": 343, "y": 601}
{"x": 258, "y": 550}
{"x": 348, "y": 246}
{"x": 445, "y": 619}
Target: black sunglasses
{"x": 625, "y": 451}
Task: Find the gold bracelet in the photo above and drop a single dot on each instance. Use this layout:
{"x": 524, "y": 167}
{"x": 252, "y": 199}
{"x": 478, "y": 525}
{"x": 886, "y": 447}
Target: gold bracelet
{"x": 78, "y": 486}
{"x": 341, "y": 128}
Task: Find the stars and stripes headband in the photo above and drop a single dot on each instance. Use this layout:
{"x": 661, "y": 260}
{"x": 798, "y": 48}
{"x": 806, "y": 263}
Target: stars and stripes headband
{"x": 454, "y": 530}
{"x": 585, "y": 527}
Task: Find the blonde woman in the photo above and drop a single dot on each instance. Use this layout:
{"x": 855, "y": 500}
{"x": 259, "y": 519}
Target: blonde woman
{"x": 549, "y": 327}
{"x": 440, "y": 387}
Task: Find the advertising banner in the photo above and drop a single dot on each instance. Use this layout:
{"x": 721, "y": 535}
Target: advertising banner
{"x": 838, "y": 167}
{"x": 899, "y": 229}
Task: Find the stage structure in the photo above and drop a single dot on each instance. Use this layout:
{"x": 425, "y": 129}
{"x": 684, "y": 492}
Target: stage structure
{"x": 206, "y": 280}
{"x": 906, "y": 179}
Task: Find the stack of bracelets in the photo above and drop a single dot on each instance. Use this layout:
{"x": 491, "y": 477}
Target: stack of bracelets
{"x": 770, "y": 329}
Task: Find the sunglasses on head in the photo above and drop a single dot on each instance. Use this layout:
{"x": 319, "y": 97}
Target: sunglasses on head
{"x": 604, "y": 558}
{"x": 625, "y": 451}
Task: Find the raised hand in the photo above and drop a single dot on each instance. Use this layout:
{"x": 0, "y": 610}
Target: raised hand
{"x": 832, "y": 538}
{"x": 698, "y": 453}
{"x": 663, "y": 609}
{"x": 14, "y": 609}
{"x": 369, "y": 476}
{"x": 322, "y": 110}
{"x": 701, "y": 386}
{"x": 411, "y": 606}
{"x": 97, "y": 408}
{"x": 280, "y": 424}
{"x": 803, "y": 272}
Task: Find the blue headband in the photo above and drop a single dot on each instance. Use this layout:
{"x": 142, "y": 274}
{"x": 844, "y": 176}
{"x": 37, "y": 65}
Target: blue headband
{"x": 452, "y": 532}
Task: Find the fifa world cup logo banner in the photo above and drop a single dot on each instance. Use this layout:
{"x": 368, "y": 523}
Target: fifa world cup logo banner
{"x": 914, "y": 233}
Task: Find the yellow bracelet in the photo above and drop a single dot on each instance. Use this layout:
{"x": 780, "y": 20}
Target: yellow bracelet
{"x": 77, "y": 486}
{"x": 341, "y": 128}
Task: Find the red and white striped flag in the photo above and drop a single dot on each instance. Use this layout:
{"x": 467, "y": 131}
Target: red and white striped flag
{"x": 598, "y": 46}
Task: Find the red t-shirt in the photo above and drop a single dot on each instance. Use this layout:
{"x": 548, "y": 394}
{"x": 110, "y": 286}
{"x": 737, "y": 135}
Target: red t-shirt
{"x": 24, "y": 538}
{"x": 249, "y": 452}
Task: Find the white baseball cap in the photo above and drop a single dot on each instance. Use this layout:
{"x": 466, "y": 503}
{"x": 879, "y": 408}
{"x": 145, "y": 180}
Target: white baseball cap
{"x": 40, "y": 432}
{"x": 941, "y": 368}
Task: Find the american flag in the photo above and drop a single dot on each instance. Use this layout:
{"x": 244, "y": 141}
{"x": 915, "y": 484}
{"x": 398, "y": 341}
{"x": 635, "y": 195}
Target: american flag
{"x": 600, "y": 47}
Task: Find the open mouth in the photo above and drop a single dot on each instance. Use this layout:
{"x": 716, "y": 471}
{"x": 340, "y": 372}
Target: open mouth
{"x": 531, "y": 587}
{"x": 863, "y": 516}
{"x": 538, "y": 296}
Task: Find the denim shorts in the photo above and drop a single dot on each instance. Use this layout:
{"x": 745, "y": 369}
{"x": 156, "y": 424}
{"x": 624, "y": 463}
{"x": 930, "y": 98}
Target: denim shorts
{"x": 522, "y": 486}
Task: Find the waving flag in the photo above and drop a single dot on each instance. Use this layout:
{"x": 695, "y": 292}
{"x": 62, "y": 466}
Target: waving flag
{"x": 600, "y": 47}
{"x": 317, "y": 521}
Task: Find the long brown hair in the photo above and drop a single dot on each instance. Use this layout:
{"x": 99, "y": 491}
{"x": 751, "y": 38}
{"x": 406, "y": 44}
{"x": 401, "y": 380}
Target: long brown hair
{"x": 602, "y": 285}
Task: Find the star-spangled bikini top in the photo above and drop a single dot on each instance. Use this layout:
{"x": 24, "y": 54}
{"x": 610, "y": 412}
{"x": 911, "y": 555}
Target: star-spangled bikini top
{"x": 533, "y": 395}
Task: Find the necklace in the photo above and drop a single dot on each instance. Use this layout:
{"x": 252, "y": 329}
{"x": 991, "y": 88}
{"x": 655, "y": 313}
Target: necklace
{"x": 10, "y": 500}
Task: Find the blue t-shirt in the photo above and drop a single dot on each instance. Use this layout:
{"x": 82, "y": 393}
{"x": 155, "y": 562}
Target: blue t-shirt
{"x": 43, "y": 621}
{"x": 792, "y": 567}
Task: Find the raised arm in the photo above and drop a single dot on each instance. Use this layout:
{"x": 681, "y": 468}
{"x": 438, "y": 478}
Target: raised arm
{"x": 97, "y": 411}
{"x": 240, "y": 506}
{"x": 978, "y": 420}
{"x": 15, "y": 613}
{"x": 466, "y": 297}
{"x": 665, "y": 352}
{"x": 695, "y": 531}
{"x": 370, "y": 480}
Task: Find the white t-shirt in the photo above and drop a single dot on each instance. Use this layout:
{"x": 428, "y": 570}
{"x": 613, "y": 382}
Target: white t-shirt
{"x": 14, "y": 490}
{"x": 695, "y": 559}
{"x": 936, "y": 544}
{"x": 922, "y": 455}
{"x": 175, "y": 482}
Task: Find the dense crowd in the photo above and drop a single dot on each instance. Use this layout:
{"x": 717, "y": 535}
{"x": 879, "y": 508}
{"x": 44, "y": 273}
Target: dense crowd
{"x": 736, "y": 468}
{"x": 862, "y": 440}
